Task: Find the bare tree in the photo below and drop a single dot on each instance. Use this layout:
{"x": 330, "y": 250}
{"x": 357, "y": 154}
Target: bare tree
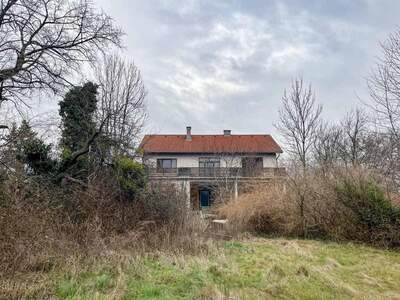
{"x": 384, "y": 86}
{"x": 121, "y": 96}
{"x": 379, "y": 154}
{"x": 299, "y": 120}
{"x": 44, "y": 42}
{"x": 355, "y": 129}
{"x": 299, "y": 123}
{"x": 327, "y": 145}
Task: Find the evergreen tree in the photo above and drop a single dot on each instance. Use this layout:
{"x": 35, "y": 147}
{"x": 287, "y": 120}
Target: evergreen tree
{"x": 77, "y": 115}
{"x": 31, "y": 150}
{"x": 77, "y": 111}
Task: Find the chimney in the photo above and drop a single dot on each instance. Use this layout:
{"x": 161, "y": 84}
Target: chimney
{"x": 227, "y": 132}
{"x": 188, "y": 133}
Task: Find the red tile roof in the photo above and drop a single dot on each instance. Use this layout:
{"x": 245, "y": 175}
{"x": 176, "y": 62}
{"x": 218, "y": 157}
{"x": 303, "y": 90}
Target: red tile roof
{"x": 209, "y": 144}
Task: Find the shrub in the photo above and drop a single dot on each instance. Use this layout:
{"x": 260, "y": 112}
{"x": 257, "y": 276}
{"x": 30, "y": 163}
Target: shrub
{"x": 164, "y": 203}
{"x": 371, "y": 209}
{"x": 31, "y": 151}
{"x": 131, "y": 176}
{"x": 264, "y": 209}
{"x": 36, "y": 154}
{"x": 42, "y": 223}
{"x": 341, "y": 204}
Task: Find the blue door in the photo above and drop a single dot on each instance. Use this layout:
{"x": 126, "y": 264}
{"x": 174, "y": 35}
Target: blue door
{"x": 205, "y": 200}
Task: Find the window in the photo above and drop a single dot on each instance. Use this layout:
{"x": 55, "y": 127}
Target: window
{"x": 209, "y": 162}
{"x": 252, "y": 166}
{"x": 166, "y": 164}
{"x": 252, "y": 163}
{"x": 209, "y": 166}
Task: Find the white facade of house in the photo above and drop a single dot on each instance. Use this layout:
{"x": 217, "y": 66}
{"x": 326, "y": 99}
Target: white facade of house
{"x": 226, "y": 161}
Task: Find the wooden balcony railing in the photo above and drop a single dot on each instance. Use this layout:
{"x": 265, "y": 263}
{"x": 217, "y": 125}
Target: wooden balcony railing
{"x": 216, "y": 172}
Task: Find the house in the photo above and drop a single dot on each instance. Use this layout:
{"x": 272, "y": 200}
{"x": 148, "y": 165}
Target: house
{"x": 203, "y": 165}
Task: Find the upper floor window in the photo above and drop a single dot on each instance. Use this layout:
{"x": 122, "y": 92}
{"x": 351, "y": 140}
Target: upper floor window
{"x": 252, "y": 163}
{"x": 252, "y": 166}
{"x": 166, "y": 163}
{"x": 209, "y": 162}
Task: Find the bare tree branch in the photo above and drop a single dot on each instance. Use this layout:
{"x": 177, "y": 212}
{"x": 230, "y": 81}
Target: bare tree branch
{"x": 44, "y": 42}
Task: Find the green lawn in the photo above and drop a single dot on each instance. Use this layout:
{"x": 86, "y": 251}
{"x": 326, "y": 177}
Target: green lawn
{"x": 254, "y": 269}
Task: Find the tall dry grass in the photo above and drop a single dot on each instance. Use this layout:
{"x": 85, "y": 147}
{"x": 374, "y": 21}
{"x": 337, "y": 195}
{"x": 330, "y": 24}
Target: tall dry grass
{"x": 263, "y": 209}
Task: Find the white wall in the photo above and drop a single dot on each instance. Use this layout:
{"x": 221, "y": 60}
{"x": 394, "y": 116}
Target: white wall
{"x": 184, "y": 161}
{"x": 192, "y": 161}
{"x": 269, "y": 161}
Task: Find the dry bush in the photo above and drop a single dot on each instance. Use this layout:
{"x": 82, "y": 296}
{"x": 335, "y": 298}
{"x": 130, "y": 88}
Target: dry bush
{"x": 164, "y": 203}
{"x": 42, "y": 223}
{"x": 349, "y": 204}
{"x": 339, "y": 204}
{"x": 170, "y": 224}
{"x": 315, "y": 204}
{"x": 367, "y": 196}
{"x": 264, "y": 209}
{"x": 30, "y": 240}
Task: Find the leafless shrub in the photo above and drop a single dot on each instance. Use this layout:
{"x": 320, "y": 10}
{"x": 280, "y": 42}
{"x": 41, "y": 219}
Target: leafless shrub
{"x": 164, "y": 203}
{"x": 354, "y": 128}
{"x": 327, "y": 145}
{"x": 265, "y": 208}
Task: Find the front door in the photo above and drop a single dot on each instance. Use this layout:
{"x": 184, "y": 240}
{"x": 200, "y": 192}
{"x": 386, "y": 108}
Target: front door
{"x": 205, "y": 199}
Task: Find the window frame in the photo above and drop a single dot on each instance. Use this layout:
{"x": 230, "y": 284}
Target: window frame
{"x": 160, "y": 163}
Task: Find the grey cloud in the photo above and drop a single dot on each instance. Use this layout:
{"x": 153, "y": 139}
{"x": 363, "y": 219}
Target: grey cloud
{"x": 215, "y": 64}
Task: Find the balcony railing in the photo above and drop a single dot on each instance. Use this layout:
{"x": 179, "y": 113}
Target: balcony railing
{"x": 216, "y": 172}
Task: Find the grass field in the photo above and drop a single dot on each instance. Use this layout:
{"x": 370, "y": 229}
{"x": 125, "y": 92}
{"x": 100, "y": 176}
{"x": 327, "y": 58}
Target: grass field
{"x": 257, "y": 268}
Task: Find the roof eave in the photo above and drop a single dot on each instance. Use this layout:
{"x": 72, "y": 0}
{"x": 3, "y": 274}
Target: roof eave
{"x": 208, "y": 153}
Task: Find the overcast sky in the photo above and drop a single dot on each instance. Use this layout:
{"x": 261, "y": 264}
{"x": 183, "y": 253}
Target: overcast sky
{"x": 219, "y": 65}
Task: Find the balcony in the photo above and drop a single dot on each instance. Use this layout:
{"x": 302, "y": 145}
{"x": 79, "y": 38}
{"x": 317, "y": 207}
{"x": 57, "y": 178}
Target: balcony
{"x": 215, "y": 172}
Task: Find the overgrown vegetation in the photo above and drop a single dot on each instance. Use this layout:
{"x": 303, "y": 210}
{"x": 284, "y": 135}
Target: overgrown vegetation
{"x": 42, "y": 224}
{"x": 131, "y": 176}
{"x": 342, "y": 204}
